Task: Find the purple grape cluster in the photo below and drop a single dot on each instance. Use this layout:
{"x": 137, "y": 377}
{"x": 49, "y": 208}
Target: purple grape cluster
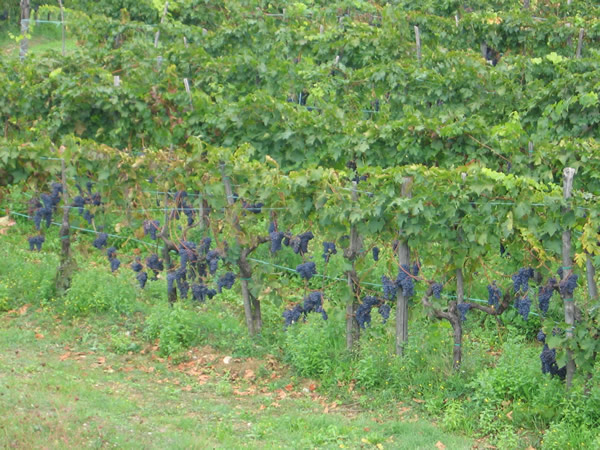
{"x": 299, "y": 243}
{"x": 376, "y": 253}
{"x": 100, "y": 241}
{"x": 405, "y": 281}
{"x": 541, "y": 336}
{"x": 549, "y": 365}
{"x": 114, "y": 264}
{"x": 292, "y": 315}
{"x": 200, "y": 292}
{"x": 35, "y": 242}
{"x": 182, "y": 283}
{"x": 272, "y": 227}
{"x": 142, "y": 277}
{"x": 328, "y": 250}
{"x": 205, "y": 245}
{"x": 88, "y": 216}
{"x": 307, "y": 270}
{"x": 212, "y": 257}
{"x": 523, "y": 305}
{"x": 389, "y": 288}
{"x": 154, "y": 263}
{"x": 111, "y": 252}
{"x": 181, "y": 206}
{"x": 494, "y": 294}
{"x": 137, "y": 266}
{"x": 521, "y": 279}
{"x": 225, "y": 281}
{"x": 463, "y": 309}
{"x": 363, "y": 312}
{"x": 568, "y": 285}
{"x": 384, "y": 311}
{"x": 171, "y": 278}
{"x": 255, "y": 208}
{"x": 150, "y": 228}
{"x": 436, "y": 289}
{"x": 276, "y": 238}
{"x": 187, "y": 253}
{"x": 545, "y": 294}
{"x": 313, "y": 302}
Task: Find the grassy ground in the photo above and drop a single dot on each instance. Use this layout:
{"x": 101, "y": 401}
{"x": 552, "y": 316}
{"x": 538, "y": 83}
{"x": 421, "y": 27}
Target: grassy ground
{"x": 44, "y": 39}
{"x": 64, "y": 388}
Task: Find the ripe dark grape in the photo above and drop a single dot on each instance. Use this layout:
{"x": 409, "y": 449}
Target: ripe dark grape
{"x": 88, "y": 216}
{"x": 79, "y": 203}
{"x": 307, "y": 270}
{"x": 182, "y": 285}
{"x": 187, "y": 252}
{"x": 114, "y": 264}
{"x": 111, "y": 252}
{"x": 171, "y": 278}
{"x": 436, "y": 288}
{"x": 155, "y": 264}
{"x": 363, "y": 312}
{"x": 272, "y": 227}
{"x": 100, "y": 241}
{"x": 299, "y": 243}
{"x": 405, "y": 282}
{"x": 375, "y": 253}
{"x": 384, "y": 311}
{"x": 150, "y": 228}
{"x": 292, "y": 315}
{"x": 568, "y": 285}
{"x": 276, "y": 238}
{"x": 205, "y": 245}
{"x": 521, "y": 279}
{"x": 142, "y": 277}
{"x": 545, "y": 294}
{"x": 35, "y": 242}
{"x": 225, "y": 281}
{"x": 137, "y": 266}
{"x": 463, "y": 309}
{"x": 541, "y": 336}
{"x": 523, "y": 306}
{"x": 253, "y": 208}
{"x": 313, "y": 302}
{"x": 494, "y": 294}
{"x": 328, "y": 250}
{"x": 389, "y": 288}
{"x": 549, "y": 365}
{"x": 212, "y": 257}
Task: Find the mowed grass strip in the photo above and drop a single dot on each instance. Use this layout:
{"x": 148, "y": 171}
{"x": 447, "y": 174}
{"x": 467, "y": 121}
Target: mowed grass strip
{"x": 56, "y": 393}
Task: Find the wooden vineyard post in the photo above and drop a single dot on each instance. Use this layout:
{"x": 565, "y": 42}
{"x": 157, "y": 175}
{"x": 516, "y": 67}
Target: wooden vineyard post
{"x": 117, "y": 80}
{"x": 352, "y": 328}
{"x": 25, "y": 14}
{"x": 67, "y": 264}
{"x": 172, "y": 295}
{"x": 579, "y": 43}
{"x": 62, "y": 25}
{"x": 483, "y": 46}
{"x": 252, "y": 317}
{"x": 162, "y": 19}
{"x": 401, "y": 299}
{"x": 525, "y": 4}
{"x": 591, "y": 277}
{"x": 567, "y": 262}
{"x": 460, "y": 286}
{"x": 418, "y": 42}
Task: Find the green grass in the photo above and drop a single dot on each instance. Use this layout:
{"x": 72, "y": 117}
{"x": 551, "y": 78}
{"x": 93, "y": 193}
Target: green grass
{"x": 64, "y": 387}
{"x": 45, "y": 38}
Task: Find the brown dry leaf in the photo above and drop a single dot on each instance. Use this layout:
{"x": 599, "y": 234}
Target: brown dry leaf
{"x": 262, "y": 407}
{"x": 418, "y": 400}
{"x": 5, "y": 223}
{"x": 439, "y": 445}
{"x": 249, "y": 374}
{"x": 509, "y": 415}
{"x": 186, "y": 388}
{"x": 275, "y": 405}
{"x": 289, "y": 387}
{"x": 39, "y": 336}
{"x": 23, "y": 309}
{"x": 101, "y": 360}
{"x": 326, "y": 410}
{"x": 65, "y": 356}
{"x": 312, "y": 387}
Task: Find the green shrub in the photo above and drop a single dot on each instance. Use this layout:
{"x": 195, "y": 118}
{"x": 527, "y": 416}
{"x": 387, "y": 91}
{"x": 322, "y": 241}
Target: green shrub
{"x": 95, "y": 290}
{"x": 176, "y": 328}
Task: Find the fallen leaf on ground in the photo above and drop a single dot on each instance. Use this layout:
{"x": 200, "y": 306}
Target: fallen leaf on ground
{"x": 65, "y": 356}
{"x": 39, "y": 336}
{"x": 439, "y": 445}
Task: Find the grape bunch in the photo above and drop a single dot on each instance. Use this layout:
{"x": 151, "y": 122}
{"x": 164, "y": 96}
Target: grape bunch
{"x": 363, "y": 312}
{"x": 541, "y": 336}
{"x": 307, "y": 270}
{"x": 142, "y": 277}
{"x": 150, "y": 228}
{"x": 521, "y": 279}
{"x": 182, "y": 283}
{"x": 114, "y": 264}
{"x": 567, "y": 286}
{"x": 463, "y": 309}
{"x": 549, "y": 365}
{"x": 155, "y": 264}
{"x": 187, "y": 253}
{"x": 100, "y": 241}
{"x": 436, "y": 289}
{"x": 205, "y": 245}
{"x": 225, "y": 281}
{"x": 313, "y": 302}
{"x": 182, "y": 206}
{"x": 111, "y": 252}
{"x": 384, "y": 311}
{"x": 200, "y": 292}
{"x": 299, "y": 243}
{"x": 272, "y": 227}
{"x": 35, "y": 242}
{"x": 276, "y": 238}
{"x": 389, "y": 288}
{"x": 545, "y": 294}
{"x": 137, "y": 266}
{"x": 328, "y": 250}
{"x": 405, "y": 281}
{"x": 253, "y": 208}
{"x": 494, "y": 294}
{"x": 292, "y": 315}
{"x": 88, "y": 216}
{"x": 212, "y": 257}
{"x": 171, "y": 278}
{"x": 376, "y": 254}
{"x": 523, "y": 305}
